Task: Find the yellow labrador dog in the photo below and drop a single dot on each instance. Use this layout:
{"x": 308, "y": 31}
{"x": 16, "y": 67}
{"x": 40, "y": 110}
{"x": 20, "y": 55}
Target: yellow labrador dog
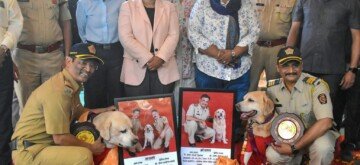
{"x": 115, "y": 129}
{"x": 258, "y": 109}
{"x": 219, "y": 125}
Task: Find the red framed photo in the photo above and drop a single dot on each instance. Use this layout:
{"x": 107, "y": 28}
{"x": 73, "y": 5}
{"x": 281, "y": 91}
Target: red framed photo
{"x": 206, "y": 125}
{"x": 153, "y": 120}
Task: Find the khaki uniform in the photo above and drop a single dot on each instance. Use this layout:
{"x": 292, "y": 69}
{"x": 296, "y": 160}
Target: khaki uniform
{"x": 275, "y": 23}
{"x": 50, "y": 109}
{"x": 198, "y": 128}
{"x": 136, "y": 126}
{"x": 41, "y": 27}
{"x": 310, "y": 100}
{"x": 159, "y": 125}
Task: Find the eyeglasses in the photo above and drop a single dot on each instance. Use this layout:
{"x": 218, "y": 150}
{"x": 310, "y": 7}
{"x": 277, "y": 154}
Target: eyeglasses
{"x": 92, "y": 65}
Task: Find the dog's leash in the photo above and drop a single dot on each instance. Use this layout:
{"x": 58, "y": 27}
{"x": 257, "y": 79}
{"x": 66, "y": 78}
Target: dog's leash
{"x": 251, "y": 133}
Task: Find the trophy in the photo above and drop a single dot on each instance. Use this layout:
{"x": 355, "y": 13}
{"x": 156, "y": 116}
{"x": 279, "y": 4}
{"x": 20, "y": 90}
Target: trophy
{"x": 287, "y": 128}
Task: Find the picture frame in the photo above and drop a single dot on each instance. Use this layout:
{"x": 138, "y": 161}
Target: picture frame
{"x": 146, "y": 112}
{"x": 219, "y": 121}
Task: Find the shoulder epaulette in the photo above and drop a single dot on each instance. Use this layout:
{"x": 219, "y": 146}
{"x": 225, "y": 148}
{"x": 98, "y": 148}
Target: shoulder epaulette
{"x": 273, "y": 82}
{"x": 311, "y": 80}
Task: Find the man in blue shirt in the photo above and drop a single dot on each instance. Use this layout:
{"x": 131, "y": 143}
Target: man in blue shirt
{"x": 97, "y": 22}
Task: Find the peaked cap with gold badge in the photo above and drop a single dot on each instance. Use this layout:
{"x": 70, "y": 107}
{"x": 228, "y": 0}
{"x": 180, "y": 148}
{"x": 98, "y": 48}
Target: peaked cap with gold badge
{"x": 85, "y": 51}
{"x": 287, "y": 54}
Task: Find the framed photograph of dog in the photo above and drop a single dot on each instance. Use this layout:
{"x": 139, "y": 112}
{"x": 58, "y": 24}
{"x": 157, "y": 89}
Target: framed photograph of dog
{"x": 206, "y": 118}
{"x": 153, "y": 121}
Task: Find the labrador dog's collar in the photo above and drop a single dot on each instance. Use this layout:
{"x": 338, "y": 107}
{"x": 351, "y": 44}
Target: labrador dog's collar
{"x": 267, "y": 119}
{"x": 91, "y": 116}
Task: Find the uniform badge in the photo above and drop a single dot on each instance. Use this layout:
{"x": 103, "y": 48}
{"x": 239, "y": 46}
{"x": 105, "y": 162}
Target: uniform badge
{"x": 322, "y": 98}
{"x": 68, "y": 91}
{"x": 289, "y": 51}
{"x": 92, "y": 49}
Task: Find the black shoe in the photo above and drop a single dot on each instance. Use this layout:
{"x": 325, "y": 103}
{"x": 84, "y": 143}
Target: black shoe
{"x": 132, "y": 154}
{"x": 192, "y": 144}
{"x": 345, "y": 153}
{"x": 198, "y": 139}
{"x": 166, "y": 149}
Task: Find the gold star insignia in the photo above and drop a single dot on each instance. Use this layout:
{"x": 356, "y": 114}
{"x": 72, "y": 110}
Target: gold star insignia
{"x": 289, "y": 51}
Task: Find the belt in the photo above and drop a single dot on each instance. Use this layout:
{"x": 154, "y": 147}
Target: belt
{"x": 40, "y": 48}
{"x": 13, "y": 144}
{"x": 105, "y": 46}
{"x": 272, "y": 43}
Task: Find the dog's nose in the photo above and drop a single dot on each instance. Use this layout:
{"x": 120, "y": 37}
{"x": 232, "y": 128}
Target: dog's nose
{"x": 133, "y": 142}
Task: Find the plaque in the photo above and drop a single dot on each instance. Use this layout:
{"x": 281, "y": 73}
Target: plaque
{"x": 287, "y": 128}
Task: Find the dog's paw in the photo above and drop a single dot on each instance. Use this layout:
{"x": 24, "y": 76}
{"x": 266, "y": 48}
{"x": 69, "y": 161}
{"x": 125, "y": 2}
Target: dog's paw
{"x": 145, "y": 145}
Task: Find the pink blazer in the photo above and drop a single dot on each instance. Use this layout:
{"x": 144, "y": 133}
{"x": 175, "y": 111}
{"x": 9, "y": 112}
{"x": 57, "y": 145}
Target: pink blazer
{"x": 136, "y": 34}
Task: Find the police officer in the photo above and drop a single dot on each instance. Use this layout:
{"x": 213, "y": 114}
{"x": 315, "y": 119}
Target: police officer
{"x": 308, "y": 97}
{"x": 42, "y": 135}
{"x": 46, "y": 26}
{"x": 196, "y": 118}
{"x": 135, "y": 121}
{"x": 161, "y": 124}
{"x": 11, "y": 22}
{"x": 275, "y": 23}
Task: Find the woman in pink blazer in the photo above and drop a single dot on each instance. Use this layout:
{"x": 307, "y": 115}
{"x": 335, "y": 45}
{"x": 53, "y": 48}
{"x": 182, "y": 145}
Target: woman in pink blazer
{"x": 149, "y": 32}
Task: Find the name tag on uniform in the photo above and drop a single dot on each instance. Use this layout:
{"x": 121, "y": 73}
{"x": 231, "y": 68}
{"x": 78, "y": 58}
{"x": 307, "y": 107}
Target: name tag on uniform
{"x": 2, "y": 4}
{"x": 23, "y": 0}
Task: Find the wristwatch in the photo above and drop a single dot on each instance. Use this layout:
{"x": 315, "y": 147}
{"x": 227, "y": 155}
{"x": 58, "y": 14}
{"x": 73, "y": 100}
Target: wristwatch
{"x": 354, "y": 70}
{"x": 294, "y": 151}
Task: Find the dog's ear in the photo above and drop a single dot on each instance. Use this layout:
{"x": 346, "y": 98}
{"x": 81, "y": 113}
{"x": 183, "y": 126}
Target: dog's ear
{"x": 104, "y": 129}
{"x": 268, "y": 103}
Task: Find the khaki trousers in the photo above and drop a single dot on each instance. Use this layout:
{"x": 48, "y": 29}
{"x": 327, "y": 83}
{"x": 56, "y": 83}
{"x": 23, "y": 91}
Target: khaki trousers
{"x": 263, "y": 58}
{"x": 168, "y": 135}
{"x": 321, "y": 152}
{"x": 192, "y": 128}
{"x": 34, "y": 69}
{"x": 54, "y": 155}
